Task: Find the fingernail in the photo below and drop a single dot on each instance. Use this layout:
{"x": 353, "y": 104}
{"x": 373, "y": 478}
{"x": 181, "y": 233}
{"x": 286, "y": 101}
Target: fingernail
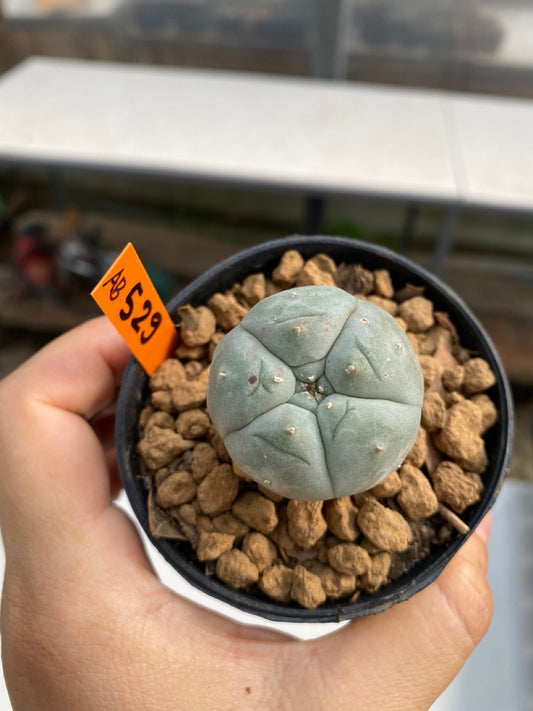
{"x": 483, "y": 530}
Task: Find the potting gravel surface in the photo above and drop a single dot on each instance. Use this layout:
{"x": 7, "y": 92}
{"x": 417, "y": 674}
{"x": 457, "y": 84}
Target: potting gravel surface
{"x": 307, "y": 552}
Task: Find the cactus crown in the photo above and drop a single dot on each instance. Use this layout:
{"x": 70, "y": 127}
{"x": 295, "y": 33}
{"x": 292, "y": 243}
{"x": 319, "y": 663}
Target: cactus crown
{"x": 317, "y": 394}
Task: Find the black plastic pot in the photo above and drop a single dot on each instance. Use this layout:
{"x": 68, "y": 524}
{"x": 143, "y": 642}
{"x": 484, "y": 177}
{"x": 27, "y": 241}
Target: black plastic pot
{"x": 264, "y": 257}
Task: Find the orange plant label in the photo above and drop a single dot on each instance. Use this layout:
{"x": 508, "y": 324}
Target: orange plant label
{"x": 130, "y": 301}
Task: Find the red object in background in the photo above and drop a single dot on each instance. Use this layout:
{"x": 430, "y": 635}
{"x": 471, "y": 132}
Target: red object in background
{"x": 34, "y": 257}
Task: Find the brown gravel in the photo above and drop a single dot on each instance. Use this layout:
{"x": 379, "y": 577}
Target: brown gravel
{"x": 299, "y": 552}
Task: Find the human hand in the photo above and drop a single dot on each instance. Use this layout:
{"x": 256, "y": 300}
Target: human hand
{"x": 86, "y": 624}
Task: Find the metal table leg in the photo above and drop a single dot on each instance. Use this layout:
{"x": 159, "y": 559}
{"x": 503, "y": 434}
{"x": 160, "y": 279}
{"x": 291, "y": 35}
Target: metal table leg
{"x": 444, "y": 240}
{"x": 315, "y": 208}
{"x": 406, "y": 235}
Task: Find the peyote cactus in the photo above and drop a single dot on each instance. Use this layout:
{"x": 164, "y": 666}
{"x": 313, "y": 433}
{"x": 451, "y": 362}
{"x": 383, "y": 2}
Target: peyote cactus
{"x": 317, "y": 394}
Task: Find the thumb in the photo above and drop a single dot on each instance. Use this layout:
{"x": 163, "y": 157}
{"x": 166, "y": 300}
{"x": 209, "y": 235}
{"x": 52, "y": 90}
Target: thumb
{"x": 54, "y": 472}
{"x": 419, "y": 646}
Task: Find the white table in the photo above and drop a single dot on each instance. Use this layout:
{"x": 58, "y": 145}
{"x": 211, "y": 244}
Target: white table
{"x": 494, "y": 139}
{"x": 30, "y": 10}
{"x": 308, "y": 135}
{"x": 491, "y": 139}
{"x": 315, "y": 137}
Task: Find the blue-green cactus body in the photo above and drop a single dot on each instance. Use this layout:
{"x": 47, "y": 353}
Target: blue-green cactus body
{"x": 317, "y": 394}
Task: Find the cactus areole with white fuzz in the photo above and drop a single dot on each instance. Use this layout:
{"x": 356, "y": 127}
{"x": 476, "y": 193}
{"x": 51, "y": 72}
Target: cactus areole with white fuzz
{"x": 317, "y": 394}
